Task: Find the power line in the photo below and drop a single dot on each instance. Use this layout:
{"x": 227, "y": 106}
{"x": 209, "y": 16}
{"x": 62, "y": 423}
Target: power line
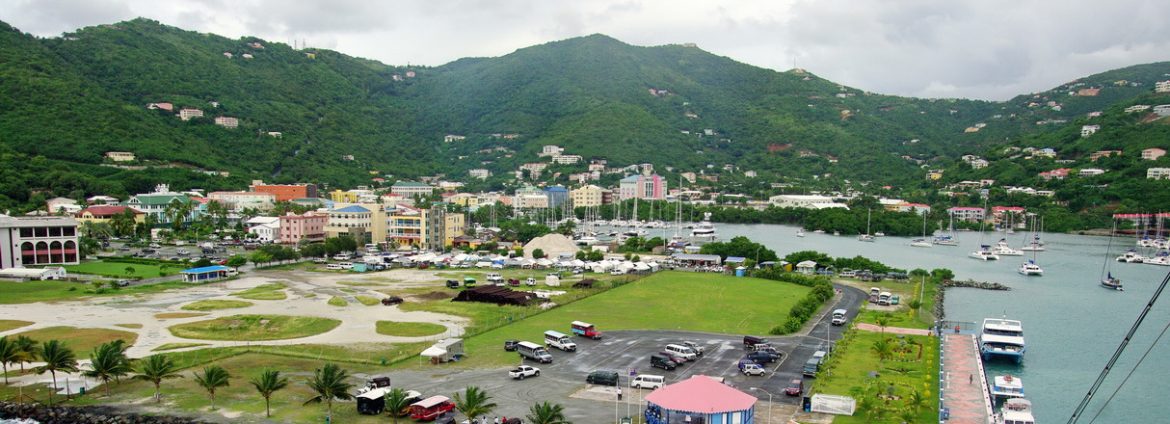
{"x": 1131, "y": 371}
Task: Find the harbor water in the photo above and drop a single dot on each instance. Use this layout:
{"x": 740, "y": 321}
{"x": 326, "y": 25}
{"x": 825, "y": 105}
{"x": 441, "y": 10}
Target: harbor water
{"x": 1072, "y": 325}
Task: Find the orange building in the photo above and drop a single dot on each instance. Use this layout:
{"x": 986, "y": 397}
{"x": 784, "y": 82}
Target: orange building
{"x": 285, "y": 192}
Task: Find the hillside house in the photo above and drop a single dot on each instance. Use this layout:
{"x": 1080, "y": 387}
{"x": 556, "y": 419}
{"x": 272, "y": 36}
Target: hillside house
{"x": 227, "y": 55}
{"x": 1088, "y": 130}
{"x": 1162, "y": 110}
{"x": 1158, "y": 174}
{"x": 567, "y": 159}
{"x": 1089, "y": 172}
{"x": 247, "y": 55}
{"x": 1137, "y": 108}
{"x": 161, "y": 106}
{"x": 188, "y": 114}
{"x": 451, "y": 138}
{"x": 550, "y": 150}
{"x": 275, "y": 134}
{"x": 1162, "y": 86}
{"x": 1103, "y": 153}
{"x": 480, "y": 173}
{"x": 256, "y": 45}
{"x": 1089, "y": 92}
{"x": 227, "y": 121}
{"x": 1153, "y": 153}
{"x": 966, "y": 213}
{"x": 58, "y": 205}
{"x": 1055, "y": 174}
{"x": 128, "y": 156}
{"x": 411, "y": 189}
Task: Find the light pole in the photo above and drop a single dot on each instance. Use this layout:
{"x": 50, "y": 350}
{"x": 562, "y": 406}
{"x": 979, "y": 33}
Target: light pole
{"x": 757, "y": 389}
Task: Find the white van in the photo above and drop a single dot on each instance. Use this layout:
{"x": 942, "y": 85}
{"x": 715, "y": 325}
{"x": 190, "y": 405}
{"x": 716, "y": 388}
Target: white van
{"x": 884, "y": 299}
{"x": 559, "y": 340}
{"x": 682, "y": 351}
{"x": 345, "y": 265}
{"x": 334, "y": 267}
{"x": 839, "y": 316}
{"x": 647, "y": 381}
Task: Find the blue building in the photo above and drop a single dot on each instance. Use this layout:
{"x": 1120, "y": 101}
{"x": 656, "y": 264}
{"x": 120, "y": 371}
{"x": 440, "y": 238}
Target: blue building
{"x": 699, "y": 399}
{"x": 202, "y": 274}
{"x": 557, "y": 196}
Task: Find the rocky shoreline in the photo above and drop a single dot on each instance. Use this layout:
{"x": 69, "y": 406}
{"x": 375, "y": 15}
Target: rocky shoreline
{"x": 85, "y": 415}
{"x": 940, "y": 295}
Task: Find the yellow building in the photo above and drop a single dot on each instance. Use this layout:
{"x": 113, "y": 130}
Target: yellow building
{"x": 339, "y": 196}
{"x": 104, "y": 213}
{"x": 464, "y": 199}
{"x": 406, "y": 226}
{"x": 587, "y": 196}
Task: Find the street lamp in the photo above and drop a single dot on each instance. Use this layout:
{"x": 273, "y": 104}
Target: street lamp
{"x": 757, "y": 389}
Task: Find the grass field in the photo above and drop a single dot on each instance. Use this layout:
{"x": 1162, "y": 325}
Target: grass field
{"x": 173, "y": 346}
{"x": 254, "y": 327}
{"x": 848, "y": 373}
{"x": 409, "y": 329}
{"x": 274, "y": 291}
{"x": 337, "y": 301}
{"x": 10, "y": 324}
{"x": 904, "y": 316}
{"x": 215, "y": 304}
{"x": 118, "y": 269}
{"x": 368, "y": 300}
{"x": 81, "y": 340}
{"x": 663, "y": 301}
{"x": 51, "y": 291}
{"x": 171, "y": 315}
{"x": 134, "y": 326}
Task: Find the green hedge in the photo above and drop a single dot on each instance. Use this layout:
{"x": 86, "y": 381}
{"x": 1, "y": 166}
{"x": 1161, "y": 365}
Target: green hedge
{"x": 143, "y": 261}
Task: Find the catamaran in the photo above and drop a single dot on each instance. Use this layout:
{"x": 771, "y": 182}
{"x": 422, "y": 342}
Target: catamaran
{"x": 984, "y": 254}
{"x": 1003, "y": 249}
{"x": 1015, "y": 411}
{"x": 1002, "y": 337}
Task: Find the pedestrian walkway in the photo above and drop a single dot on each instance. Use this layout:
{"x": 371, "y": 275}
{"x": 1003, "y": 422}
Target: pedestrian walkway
{"x": 864, "y": 326}
{"x": 963, "y": 388}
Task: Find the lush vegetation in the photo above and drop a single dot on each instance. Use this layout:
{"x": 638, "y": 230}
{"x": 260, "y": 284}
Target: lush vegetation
{"x": 409, "y": 329}
{"x": 893, "y": 379}
{"x": 254, "y": 327}
{"x": 80, "y": 339}
{"x": 272, "y": 291}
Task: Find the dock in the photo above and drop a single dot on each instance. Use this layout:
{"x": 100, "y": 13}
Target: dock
{"x": 963, "y": 390}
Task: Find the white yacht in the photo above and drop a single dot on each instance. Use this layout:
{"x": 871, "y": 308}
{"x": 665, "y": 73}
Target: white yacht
{"x": 704, "y": 230}
{"x": 920, "y": 243}
{"x": 1004, "y": 387}
{"x": 865, "y": 237}
{"x": 585, "y": 240}
{"x": 1031, "y": 268}
{"x": 1162, "y": 258}
{"x": 1131, "y": 257}
{"x": 800, "y": 232}
{"x": 1002, "y": 248}
{"x": 1015, "y": 411}
{"x": 984, "y": 254}
{"x": 1002, "y": 337}
{"x": 945, "y": 240}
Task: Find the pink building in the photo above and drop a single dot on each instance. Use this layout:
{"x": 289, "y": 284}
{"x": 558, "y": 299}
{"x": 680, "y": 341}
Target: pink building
{"x": 309, "y": 227}
{"x": 642, "y": 187}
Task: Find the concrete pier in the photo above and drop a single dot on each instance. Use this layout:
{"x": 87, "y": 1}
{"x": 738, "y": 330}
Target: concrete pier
{"x": 962, "y": 386}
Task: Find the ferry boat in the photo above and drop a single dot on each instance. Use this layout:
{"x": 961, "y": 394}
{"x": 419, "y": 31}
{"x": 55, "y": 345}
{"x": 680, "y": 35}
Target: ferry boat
{"x": 1004, "y": 387}
{"x": 1001, "y": 248}
{"x": 1131, "y": 257}
{"x": 1031, "y": 268}
{"x": 984, "y": 254}
{"x": 704, "y": 230}
{"x": 1002, "y": 337}
{"x": 1015, "y": 411}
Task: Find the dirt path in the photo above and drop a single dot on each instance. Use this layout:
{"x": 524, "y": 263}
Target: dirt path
{"x": 892, "y": 330}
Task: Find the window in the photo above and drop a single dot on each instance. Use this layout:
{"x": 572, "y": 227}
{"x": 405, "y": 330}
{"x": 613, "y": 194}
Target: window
{"x": 27, "y": 253}
{"x": 26, "y": 232}
{"x": 54, "y": 231}
{"x": 41, "y": 232}
{"x": 42, "y": 256}
{"x": 69, "y": 231}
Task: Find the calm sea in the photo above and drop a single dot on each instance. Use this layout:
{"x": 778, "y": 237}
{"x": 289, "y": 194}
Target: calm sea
{"x": 1072, "y": 324}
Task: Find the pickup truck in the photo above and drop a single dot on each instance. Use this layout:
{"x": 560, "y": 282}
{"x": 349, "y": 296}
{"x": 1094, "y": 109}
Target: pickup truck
{"x": 748, "y": 367}
{"x": 519, "y": 373}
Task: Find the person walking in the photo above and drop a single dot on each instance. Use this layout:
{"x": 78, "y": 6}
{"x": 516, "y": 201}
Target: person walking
{"x": 619, "y": 393}
{"x": 970, "y": 379}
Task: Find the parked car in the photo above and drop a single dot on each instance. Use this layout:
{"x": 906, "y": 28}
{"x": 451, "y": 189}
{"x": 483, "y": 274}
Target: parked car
{"x": 673, "y": 357}
{"x": 523, "y": 372}
{"x": 510, "y": 345}
{"x": 659, "y": 361}
{"x": 762, "y": 357}
{"x": 121, "y": 283}
{"x": 751, "y": 341}
{"x": 840, "y": 316}
{"x": 602, "y": 377}
{"x": 648, "y": 381}
{"x": 452, "y": 284}
{"x": 697, "y": 348}
{"x": 749, "y": 367}
{"x": 392, "y": 300}
{"x": 795, "y": 387}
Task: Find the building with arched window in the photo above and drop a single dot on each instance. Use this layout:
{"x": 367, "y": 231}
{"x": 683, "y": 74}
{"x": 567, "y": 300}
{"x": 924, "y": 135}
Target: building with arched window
{"x": 40, "y": 240}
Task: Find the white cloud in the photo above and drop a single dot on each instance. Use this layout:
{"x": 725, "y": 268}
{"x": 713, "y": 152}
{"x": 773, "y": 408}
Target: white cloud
{"x": 991, "y": 49}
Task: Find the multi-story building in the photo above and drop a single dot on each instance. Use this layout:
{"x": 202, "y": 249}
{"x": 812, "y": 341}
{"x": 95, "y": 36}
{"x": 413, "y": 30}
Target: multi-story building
{"x": 1158, "y": 174}
{"x": 266, "y": 228}
{"x": 480, "y": 173}
{"x": 309, "y": 227}
{"x": 285, "y": 192}
{"x": 187, "y": 114}
{"x": 1153, "y": 153}
{"x": 411, "y": 189}
{"x": 227, "y": 121}
{"x": 1088, "y": 130}
{"x": 643, "y": 187}
{"x": 240, "y": 200}
{"x": 557, "y": 196}
{"x": 120, "y": 156}
{"x": 407, "y": 226}
{"x": 1162, "y": 86}
{"x": 965, "y": 213}
{"x": 1102, "y": 154}
{"x": 550, "y": 150}
{"x": 41, "y": 240}
{"x": 567, "y": 159}
{"x": 59, "y": 205}
{"x": 586, "y": 196}
{"x": 443, "y": 227}
{"x": 155, "y": 204}
{"x": 352, "y": 220}
{"x": 803, "y": 201}
{"x": 530, "y": 198}
{"x": 358, "y": 195}
{"x": 105, "y": 213}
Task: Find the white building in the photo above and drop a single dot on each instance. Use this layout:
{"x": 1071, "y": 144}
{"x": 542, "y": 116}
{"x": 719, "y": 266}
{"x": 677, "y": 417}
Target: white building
{"x": 40, "y": 240}
{"x": 1158, "y": 174}
{"x": 971, "y": 214}
{"x": 530, "y": 198}
{"x": 188, "y": 114}
{"x": 62, "y": 205}
{"x": 120, "y": 156}
{"x": 480, "y": 173}
{"x": 551, "y": 150}
{"x": 411, "y": 189}
{"x": 567, "y": 159}
{"x": 266, "y": 228}
{"x": 227, "y": 121}
{"x": 1162, "y": 86}
{"x": 1088, "y": 130}
{"x": 1089, "y": 172}
{"x": 450, "y": 138}
{"x": 240, "y": 200}
{"x": 805, "y": 201}
{"x": 1137, "y": 108}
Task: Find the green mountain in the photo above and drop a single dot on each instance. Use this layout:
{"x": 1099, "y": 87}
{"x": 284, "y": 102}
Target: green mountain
{"x": 70, "y": 99}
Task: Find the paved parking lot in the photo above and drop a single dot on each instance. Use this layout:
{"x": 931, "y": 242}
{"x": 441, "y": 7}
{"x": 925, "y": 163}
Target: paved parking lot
{"x": 563, "y": 381}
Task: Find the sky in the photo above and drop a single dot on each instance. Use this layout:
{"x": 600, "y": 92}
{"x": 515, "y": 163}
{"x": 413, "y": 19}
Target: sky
{"x": 983, "y": 49}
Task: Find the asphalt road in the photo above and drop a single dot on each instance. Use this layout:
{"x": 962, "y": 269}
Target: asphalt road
{"x": 563, "y": 381}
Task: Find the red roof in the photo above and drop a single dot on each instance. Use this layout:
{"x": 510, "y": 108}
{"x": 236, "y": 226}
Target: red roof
{"x": 104, "y": 211}
{"x": 701, "y": 395}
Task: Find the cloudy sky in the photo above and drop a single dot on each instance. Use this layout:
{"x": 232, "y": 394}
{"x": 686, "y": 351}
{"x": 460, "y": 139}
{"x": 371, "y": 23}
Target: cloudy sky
{"x": 988, "y": 49}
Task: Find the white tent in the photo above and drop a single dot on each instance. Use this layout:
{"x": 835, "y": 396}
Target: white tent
{"x": 806, "y": 267}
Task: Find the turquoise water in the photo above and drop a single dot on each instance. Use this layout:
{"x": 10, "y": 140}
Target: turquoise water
{"x": 1072, "y": 324}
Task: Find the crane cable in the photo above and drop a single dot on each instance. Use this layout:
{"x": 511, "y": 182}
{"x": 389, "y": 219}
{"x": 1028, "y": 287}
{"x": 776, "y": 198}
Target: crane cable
{"x": 1131, "y": 371}
{"x": 1116, "y": 354}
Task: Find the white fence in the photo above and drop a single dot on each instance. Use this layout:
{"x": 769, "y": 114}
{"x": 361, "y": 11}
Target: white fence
{"x": 832, "y": 404}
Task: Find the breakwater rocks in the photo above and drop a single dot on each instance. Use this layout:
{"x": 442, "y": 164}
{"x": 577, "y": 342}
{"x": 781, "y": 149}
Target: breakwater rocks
{"x": 85, "y": 415}
{"x": 940, "y": 295}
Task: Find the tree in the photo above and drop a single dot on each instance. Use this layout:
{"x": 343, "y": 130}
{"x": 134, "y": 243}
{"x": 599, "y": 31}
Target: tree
{"x": 129, "y": 271}
{"x": 57, "y": 357}
{"x": 883, "y": 348}
{"x": 236, "y": 261}
{"x": 260, "y": 257}
{"x": 213, "y": 377}
{"x": 267, "y": 383}
{"x": 107, "y": 362}
{"x": 396, "y": 402}
{"x": 155, "y": 369}
{"x": 123, "y": 223}
{"x": 883, "y": 321}
{"x": 537, "y": 253}
{"x": 9, "y": 354}
{"x": 546, "y": 413}
{"x": 915, "y": 400}
{"x": 27, "y": 350}
{"x": 473, "y": 402}
{"x": 329, "y": 383}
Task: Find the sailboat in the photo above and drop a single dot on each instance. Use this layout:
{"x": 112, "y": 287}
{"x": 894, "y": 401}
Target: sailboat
{"x": 947, "y": 239}
{"x": 1035, "y": 245}
{"x": 1107, "y": 279}
{"x": 866, "y": 237}
{"x": 922, "y": 242}
{"x": 800, "y": 232}
{"x": 984, "y": 253}
{"x": 1031, "y": 268}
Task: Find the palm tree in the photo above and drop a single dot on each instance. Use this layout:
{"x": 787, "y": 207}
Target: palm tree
{"x": 329, "y": 383}
{"x": 107, "y": 362}
{"x": 546, "y": 413}
{"x": 9, "y": 354}
{"x": 155, "y": 369}
{"x": 883, "y": 321}
{"x": 26, "y": 349}
{"x": 212, "y": 377}
{"x": 396, "y": 402}
{"x": 883, "y": 348}
{"x": 473, "y": 402}
{"x": 56, "y": 357}
{"x": 915, "y": 400}
{"x": 267, "y": 383}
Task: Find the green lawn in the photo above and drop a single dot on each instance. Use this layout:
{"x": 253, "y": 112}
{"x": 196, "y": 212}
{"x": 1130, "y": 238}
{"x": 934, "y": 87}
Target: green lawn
{"x": 409, "y": 329}
{"x": 847, "y": 373}
{"x": 173, "y": 346}
{"x": 274, "y": 291}
{"x": 368, "y": 300}
{"x": 337, "y": 301}
{"x": 663, "y": 301}
{"x": 254, "y": 327}
{"x": 215, "y": 304}
{"x": 170, "y": 315}
{"x": 51, "y": 291}
{"x": 81, "y": 340}
{"x": 118, "y": 269}
{"x": 9, "y": 324}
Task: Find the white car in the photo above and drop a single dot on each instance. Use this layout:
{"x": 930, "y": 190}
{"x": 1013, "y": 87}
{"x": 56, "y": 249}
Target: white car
{"x": 752, "y": 369}
{"x": 519, "y": 373}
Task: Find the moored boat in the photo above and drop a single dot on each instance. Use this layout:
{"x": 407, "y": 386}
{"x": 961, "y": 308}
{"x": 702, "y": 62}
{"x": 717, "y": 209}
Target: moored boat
{"x": 1111, "y": 282}
{"x": 1002, "y": 248}
{"x": 920, "y": 243}
{"x": 1002, "y": 338}
{"x": 984, "y": 254}
{"x": 1015, "y": 411}
{"x": 1004, "y": 387}
{"x": 1030, "y": 268}
{"x": 1131, "y": 257}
